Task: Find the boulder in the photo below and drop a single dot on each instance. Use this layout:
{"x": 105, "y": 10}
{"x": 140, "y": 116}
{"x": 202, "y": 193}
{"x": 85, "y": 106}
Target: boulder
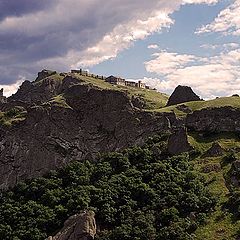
{"x": 81, "y": 226}
{"x": 215, "y": 151}
{"x": 178, "y": 142}
{"x": 182, "y": 94}
{"x": 184, "y": 108}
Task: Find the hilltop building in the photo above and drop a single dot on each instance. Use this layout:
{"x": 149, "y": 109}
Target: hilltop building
{"x": 116, "y": 80}
{"x": 80, "y": 71}
{"x": 120, "y": 81}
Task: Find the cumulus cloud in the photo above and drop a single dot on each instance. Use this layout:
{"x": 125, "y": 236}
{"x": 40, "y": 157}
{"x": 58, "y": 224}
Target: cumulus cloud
{"x": 215, "y": 76}
{"x": 227, "y": 22}
{"x": 165, "y": 62}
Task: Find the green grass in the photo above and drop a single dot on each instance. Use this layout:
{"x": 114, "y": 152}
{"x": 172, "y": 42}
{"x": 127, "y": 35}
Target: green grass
{"x": 220, "y": 224}
{"x": 56, "y": 77}
{"x": 13, "y": 116}
{"x": 198, "y": 105}
{"x": 58, "y": 101}
{"x": 153, "y": 99}
{"x": 202, "y": 143}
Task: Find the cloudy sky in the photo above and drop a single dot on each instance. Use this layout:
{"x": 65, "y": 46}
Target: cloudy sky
{"x": 163, "y": 42}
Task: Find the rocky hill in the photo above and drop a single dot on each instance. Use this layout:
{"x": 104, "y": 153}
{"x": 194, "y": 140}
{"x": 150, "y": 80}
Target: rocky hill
{"x": 57, "y": 119}
{"x": 61, "y": 118}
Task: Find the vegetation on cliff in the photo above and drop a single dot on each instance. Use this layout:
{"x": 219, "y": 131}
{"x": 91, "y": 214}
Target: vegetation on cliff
{"x": 141, "y": 193}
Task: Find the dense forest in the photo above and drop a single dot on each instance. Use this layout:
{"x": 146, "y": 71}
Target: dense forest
{"x": 138, "y": 194}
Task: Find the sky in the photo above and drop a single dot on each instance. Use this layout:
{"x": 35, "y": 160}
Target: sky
{"x": 161, "y": 42}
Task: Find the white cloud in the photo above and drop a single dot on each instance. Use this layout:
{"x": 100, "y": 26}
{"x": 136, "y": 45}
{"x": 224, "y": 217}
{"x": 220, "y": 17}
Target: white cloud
{"x": 12, "y": 88}
{"x": 166, "y": 63}
{"x": 216, "y": 76}
{"x": 123, "y": 36}
{"x": 225, "y": 46}
{"x": 153, "y": 46}
{"x": 227, "y": 22}
{"x": 209, "y": 2}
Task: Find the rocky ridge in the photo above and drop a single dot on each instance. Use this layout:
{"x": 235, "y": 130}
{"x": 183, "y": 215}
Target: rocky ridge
{"x": 77, "y": 125}
{"x": 68, "y": 119}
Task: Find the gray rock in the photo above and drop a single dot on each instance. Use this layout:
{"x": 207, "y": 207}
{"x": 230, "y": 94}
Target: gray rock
{"x": 44, "y": 73}
{"x": 78, "y": 227}
{"x": 178, "y": 142}
{"x": 236, "y": 165}
{"x": 184, "y": 108}
{"x": 96, "y": 121}
{"x": 215, "y": 151}
{"x": 3, "y": 99}
{"x": 222, "y": 119}
{"x": 182, "y": 94}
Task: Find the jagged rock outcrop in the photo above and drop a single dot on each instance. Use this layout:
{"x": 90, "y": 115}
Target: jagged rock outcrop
{"x": 91, "y": 120}
{"x": 2, "y": 98}
{"x": 182, "y": 94}
{"x": 178, "y": 142}
{"x": 78, "y": 227}
{"x": 222, "y": 119}
{"x": 37, "y": 92}
{"x": 44, "y": 73}
{"x": 215, "y": 151}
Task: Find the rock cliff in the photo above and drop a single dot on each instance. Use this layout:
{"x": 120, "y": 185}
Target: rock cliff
{"x": 77, "y": 125}
{"x": 66, "y": 119}
{"x": 222, "y": 119}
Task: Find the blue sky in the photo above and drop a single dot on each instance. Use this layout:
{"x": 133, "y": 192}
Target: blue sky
{"x": 179, "y": 38}
{"x": 164, "y": 43}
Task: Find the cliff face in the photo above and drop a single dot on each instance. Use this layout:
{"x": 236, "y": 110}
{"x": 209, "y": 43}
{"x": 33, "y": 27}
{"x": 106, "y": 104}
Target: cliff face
{"x": 90, "y": 121}
{"x": 69, "y": 120}
{"x": 222, "y": 119}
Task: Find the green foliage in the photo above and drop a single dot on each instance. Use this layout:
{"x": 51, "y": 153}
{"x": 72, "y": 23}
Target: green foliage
{"x": 12, "y": 116}
{"x": 136, "y": 195}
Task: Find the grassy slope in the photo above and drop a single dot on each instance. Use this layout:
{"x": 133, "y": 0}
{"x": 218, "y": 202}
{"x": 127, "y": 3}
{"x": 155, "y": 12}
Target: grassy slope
{"x": 220, "y": 224}
{"x": 153, "y": 99}
{"x": 12, "y": 117}
{"x": 219, "y": 102}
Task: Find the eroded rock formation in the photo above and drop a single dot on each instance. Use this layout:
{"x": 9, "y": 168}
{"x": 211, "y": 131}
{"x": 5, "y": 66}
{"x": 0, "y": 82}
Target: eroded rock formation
{"x": 78, "y": 227}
